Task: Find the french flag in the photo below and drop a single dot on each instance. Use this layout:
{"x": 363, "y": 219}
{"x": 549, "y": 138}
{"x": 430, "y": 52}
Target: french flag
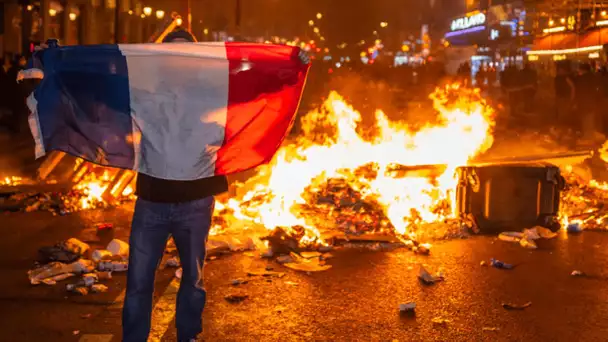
{"x": 177, "y": 111}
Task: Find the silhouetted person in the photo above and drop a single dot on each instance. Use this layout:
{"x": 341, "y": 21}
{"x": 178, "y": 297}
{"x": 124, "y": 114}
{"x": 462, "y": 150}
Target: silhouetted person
{"x": 565, "y": 92}
{"x": 587, "y": 98}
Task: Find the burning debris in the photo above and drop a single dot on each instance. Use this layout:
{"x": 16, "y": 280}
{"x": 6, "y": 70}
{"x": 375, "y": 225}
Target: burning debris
{"x": 584, "y": 204}
{"x": 332, "y": 179}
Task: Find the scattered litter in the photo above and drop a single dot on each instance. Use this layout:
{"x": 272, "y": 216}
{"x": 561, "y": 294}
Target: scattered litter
{"x": 172, "y": 262}
{"x": 104, "y": 275}
{"x": 441, "y": 321}
{"x": 531, "y": 234}
{"x": 178, "y": 273}
{"x": 310, "y": 255}
{"x": 118, "y": 248}
{"x": 428, "y": 279}
{"x": 99, "y": 288}
{"x": 76, "y": 246}
{"x": 90, "y": 279}
{"x": 577, "y": 273}
{"x": 81, "y": 290}
{"x": 407, "y": 307}
{"x": 57, "y": 252}
{"x": 104, "y": 227}
{"x": 545, "y": 233}
{"x": 508, "y": 306}
{"x": 234, "y": 298}
{"x": 490, "y": 329}
{"x": 527, "y": 238}
{"x": 529, "y": 244}
{"x": 510, "y": 236}
{"x": 238, "y": 282}
{"x": 500, "y": 265}
{"x": 55, "y": 279}
{"x": 575, "y": 228}
{"x": 53, "y": 269}
{"x": 101, "y": 254}
{"x": 423, "y": 248}
{"x": 265, "y": 273}
{"x": 113, "y": 266}
{"x": 306, "y": 265}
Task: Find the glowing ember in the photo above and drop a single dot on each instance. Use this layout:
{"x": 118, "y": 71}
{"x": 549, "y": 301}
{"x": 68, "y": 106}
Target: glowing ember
{"x": 11, "y": 181}
{"x": 331, "y": 148}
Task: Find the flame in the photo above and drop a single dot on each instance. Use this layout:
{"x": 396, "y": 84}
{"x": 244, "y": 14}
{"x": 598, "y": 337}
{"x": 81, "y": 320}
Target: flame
{"x": 92, "y": 188}
{"x": 11, "y": 181}
{"x": 463, "y": 129}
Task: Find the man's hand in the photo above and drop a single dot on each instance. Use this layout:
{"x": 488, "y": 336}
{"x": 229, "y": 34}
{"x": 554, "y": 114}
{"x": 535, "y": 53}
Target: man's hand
{"x": 304, "y": 57}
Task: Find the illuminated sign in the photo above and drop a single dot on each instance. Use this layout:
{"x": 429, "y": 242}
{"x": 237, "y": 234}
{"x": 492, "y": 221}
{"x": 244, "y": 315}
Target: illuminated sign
{"x": 532, "y": 58}
{"x": 594, "y": 55}
{"x": 494, "y": 34}
{"x": 469, "y": 21}
{"x": 559, "y": 57}
{"x": 571, "y": 22}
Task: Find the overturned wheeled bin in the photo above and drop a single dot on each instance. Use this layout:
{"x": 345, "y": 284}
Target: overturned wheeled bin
{"x": 510, "y": 197}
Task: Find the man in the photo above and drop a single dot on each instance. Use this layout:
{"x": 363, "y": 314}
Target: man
{"x": 586, "y": 100}
{"x": 239, "y": 124}
{"x": 565, "y": 93}
{"x": 164, "y": 208}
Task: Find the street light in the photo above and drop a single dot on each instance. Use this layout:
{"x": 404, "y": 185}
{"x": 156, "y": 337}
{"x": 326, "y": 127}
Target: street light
{"x": 206, "y": 31}
{"x": 311, "y": 23}
{"x": 147, "y": 11}
{"x": 179, "y": 21}
{"x": 383, "y": 24}
{"x": 160, "y": 14}
{"x": 143, "y": 16}
{"x": 316, "y": 30}
{"x": 30, "y": 7}
{"x": 130, "y": 12}
{"x": 52, "y": 12}
{"x": 319, "y": 16}
{"x": 72, "y": 16}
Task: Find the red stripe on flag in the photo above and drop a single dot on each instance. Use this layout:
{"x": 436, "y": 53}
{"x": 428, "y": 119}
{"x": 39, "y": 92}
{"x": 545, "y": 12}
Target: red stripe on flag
{"x": 265, "y": 87}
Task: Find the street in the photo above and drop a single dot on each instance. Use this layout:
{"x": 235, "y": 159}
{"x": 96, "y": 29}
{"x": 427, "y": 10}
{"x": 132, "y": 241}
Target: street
{"x": 356, "y": 300}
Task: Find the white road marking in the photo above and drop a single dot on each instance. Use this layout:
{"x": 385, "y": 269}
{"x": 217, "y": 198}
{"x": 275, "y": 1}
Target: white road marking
{"x": 164, "y": 312}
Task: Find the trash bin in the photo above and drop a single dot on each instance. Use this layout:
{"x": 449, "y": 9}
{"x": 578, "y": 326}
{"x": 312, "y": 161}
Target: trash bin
{"x": 503, "y": 197}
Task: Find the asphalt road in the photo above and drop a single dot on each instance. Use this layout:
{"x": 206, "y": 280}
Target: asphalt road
{"x": 356, "y": 300}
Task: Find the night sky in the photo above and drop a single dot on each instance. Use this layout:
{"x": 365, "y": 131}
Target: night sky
{"x": 343, "y": 21}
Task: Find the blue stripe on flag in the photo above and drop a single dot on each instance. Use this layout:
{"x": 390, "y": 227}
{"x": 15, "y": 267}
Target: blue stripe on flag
{"x": 83, "y": 104}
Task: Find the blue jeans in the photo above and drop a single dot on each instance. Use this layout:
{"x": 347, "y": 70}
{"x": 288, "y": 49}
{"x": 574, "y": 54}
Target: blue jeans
{"x": 153, "y": 224}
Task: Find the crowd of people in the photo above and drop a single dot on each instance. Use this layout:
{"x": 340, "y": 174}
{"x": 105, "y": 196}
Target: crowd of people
{"x": 573, "y": 94}
{"x": 13, "y": 110}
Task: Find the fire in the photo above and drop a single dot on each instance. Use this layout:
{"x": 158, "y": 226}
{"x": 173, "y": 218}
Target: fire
{"x": 92, "y": 188}
{"x": 333, "y": 148}
{"x": 11, "y": 181}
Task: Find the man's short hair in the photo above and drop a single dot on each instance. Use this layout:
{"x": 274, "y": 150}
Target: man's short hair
{"x": 179, "y": 36}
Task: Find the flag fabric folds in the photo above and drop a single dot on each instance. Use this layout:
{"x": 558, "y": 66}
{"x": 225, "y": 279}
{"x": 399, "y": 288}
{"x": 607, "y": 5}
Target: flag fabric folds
{"x": 178, "y": 111}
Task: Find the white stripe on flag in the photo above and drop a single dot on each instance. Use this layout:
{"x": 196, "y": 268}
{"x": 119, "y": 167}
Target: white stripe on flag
{"x": 179, "y": 98}
{"x": 34, "y": 124}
